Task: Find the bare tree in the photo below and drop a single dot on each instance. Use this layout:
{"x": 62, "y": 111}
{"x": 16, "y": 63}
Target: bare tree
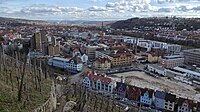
{"x": 22, "y": 79}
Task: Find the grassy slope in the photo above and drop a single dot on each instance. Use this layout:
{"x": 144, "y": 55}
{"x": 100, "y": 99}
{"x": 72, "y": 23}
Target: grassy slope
{"x": 31, "y": 99}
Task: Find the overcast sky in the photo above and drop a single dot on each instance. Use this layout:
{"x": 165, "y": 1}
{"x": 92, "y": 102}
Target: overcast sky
{"x": 97, "y": 9}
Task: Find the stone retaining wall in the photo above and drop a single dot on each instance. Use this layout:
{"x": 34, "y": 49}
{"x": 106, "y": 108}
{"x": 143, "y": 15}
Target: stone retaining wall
{"x": 50, "y": 104}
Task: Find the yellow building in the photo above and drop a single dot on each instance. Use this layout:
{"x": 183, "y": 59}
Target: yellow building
{"x": 102, "y": 63}
{"x": 153, "y": 58}
{"x": 122, "y": 59}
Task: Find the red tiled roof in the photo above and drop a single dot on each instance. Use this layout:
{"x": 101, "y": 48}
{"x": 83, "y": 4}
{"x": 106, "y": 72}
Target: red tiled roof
{"x": 189, "y": 102}
{"x": 94, "y": 77}
{"x": 103, "y": 60}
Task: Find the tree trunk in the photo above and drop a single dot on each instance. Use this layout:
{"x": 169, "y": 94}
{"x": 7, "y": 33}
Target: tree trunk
{"x": 22, "y": 79}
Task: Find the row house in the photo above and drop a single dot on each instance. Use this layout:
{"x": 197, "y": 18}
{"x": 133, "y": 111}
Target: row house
{"x": 102, "y": 64}
{"x": 121, "y": 89}
{"x": 99, "y": 82}
{"x": 133, "y": 93}
{"x": 164, "y": 101}
{"x": 146, "y": 97}
{"x": 185, "y": 105}
{"x": 120, "y": 57}
{"x": 74, "y": 64}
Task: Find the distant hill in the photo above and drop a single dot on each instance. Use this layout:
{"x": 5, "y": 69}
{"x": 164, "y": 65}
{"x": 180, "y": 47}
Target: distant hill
{"x": 83, "y": 22}
{"x": 178, "y": 23}
{"x": 19, "y": 22}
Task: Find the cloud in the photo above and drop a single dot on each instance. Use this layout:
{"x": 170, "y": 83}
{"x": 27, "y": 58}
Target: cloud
{"x": 97, "y": 8}
{"x": 96, "y": 0}
{"x": 119, "y": 9}
{"x": 165, "y": 10}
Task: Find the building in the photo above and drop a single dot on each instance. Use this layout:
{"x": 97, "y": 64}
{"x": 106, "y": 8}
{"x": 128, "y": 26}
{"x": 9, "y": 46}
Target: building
{"x": 156, "y": 69}
{"x": 185, "y": 105}
{"x": 172, "y": 61}
{"x": 121, "y": 89}
{"x": 120, "y": 57}
{"x": 58, "y": 62}
{"x": 160, "y": 99}
{"x": 192, "y": 57}
{"x": 146, "y": 97}
{"x": 36, "y": 43}
{"x": 171, "y": 49}
{"x": 74, "y": 64}
{"x": 90, "y": 51}
{"x": 39, "y": 41}
{"x": 99, "y": 82}
{"x": 189, "y": 73}
{"x": 155, "y": 55}
{"x": 102, "y": 63}
{"x": 133, "y": 93}
{"x": 84, "y": 58}
{"x": 53, "y": 49}
{"x": 170, "y": 100}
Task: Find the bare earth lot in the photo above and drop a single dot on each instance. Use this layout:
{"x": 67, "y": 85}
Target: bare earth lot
{"x": 140, "y": 79}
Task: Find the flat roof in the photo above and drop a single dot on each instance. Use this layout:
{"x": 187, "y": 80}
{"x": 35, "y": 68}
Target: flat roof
{"x": 172, "y": 57}
{"x": 61, "y": 59}
{"x": 157, "y": 66}
{"x": 186, "y": 71}
{"x": 193, "y": 50}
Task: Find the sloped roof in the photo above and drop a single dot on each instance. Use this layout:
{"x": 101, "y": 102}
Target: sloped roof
{"x": 170, "y": 97}
{"x": 160, "y": 94}
{"x": 94, "y": 77}
{"x": 189, "y": 102}
{"x": 149, "y": 91}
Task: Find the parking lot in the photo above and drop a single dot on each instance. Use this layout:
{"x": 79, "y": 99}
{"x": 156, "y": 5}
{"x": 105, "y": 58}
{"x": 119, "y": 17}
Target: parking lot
{"x": 143, "y": 80}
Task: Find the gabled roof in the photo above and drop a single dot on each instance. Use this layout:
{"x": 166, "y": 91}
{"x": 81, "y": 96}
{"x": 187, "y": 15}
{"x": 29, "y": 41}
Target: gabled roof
{"x": 149, "y": 91}
{"x": 103, "y": 60}
{"x": 160, "y": 94}
{"x": 76, "y": 60}
{"x": 133, "y": 89}
{"x": 94, "y": 77}
{"x": 187, "y": 101}
{"x": 170, "y": 97}
{"x": 121, "y": 85}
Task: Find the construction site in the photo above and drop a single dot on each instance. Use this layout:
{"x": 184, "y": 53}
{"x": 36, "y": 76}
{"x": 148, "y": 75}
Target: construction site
{"x": 143, "y": 80}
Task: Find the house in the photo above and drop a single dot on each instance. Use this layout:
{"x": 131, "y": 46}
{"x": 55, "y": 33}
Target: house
{"x": 160, "y": 99}
{"x": 121, "y": 89}
{"x": 146, "y": 97}
{"x": 74, "y": 64}
{"x": 84, "y": 58}
{"x": 155, "y": 54}
{"x": 99, "y": 82}
{"x": 170, "y": 100}
{"x": 133, "y": 93}
{"x": 185, "y": 105}
{"x": 102, "y": 63}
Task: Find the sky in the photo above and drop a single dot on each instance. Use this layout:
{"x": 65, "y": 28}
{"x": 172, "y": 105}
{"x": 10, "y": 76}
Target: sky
{"x": 98, "y": 9}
